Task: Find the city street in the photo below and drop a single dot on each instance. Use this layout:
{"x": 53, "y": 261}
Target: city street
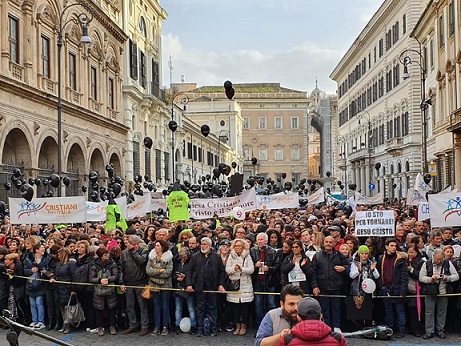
{"x": 81, "y": 338}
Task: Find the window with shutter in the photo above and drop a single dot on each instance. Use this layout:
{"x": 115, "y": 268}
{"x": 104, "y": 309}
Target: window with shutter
{"x": 133, "y": 60}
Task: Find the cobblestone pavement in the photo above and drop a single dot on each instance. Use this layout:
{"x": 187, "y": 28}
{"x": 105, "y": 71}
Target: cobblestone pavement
{"x": 81, "y": 338}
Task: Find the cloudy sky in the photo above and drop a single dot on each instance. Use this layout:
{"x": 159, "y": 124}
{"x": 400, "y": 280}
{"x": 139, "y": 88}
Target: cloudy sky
{"x": 253, "y": 41}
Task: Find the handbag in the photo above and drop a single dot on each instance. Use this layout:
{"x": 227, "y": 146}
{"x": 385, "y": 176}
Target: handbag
{"x": 32, "y": 283}
{"x": 73, "y": 314}
{"x": 430, "y": 289}
{"x": 232, "y": 285}
{"x": 146, "y": 292}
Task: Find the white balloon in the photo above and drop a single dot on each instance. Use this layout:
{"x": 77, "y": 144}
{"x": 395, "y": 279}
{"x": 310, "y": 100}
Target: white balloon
{"x": 184, "y": 325}
{"x": 368, "y": 286}
{"x": 238, "y": 213}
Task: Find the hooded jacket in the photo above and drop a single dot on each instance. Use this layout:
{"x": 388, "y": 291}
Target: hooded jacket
{"x": 154, "y": 264}
{"x": 311, "y": 332}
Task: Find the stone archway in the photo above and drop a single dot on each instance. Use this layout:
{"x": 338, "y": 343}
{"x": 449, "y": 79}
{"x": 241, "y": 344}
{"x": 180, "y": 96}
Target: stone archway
{"x": 47, "y": 164}
{"x": 16, "y": 154}
{"x": 97, "y": 162}
{"x": 76, "y": 169}
{"x": 115, "y": 161}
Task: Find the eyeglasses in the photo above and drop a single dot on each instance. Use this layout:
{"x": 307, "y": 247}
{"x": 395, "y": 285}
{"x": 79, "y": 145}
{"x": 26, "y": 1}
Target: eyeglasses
{"x": 295, "y": 247}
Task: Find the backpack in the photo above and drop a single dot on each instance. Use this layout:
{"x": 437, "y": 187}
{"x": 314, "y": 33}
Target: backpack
{"x": 32, "y": 283}
{"x": 103, "y": 290}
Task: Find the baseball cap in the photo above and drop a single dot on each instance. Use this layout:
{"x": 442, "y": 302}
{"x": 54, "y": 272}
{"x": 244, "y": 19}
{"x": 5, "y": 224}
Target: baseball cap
{"x": 309, "y": 306}
{"x": 335, "y": 228}
{"x": 312, "y": 218}
{"x": 225, "y": 242}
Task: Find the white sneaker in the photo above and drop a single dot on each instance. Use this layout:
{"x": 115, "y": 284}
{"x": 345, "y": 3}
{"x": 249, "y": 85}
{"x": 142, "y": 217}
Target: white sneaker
{"x": 94, "y": 330}
{"x": 337, "y": 330}
{"x": 33, "y": 325}
{"x": 39, "y": 326}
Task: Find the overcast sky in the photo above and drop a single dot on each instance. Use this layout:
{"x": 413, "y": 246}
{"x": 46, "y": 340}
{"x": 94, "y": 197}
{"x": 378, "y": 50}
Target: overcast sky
{"x": 255, "y": 41}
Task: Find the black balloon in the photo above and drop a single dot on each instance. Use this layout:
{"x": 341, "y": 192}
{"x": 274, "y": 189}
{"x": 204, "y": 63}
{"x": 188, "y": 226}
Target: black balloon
{"x": 284, "y": 175}
{"x": 227, "y": 85}
{"x": 84, "y": 189}
{"x": 66, "y": 181}
{"x": 288, "y": 185}
{"x": 205, "y": 130}
{"x": 2, "y": 207}
{"x": 109, "y": 168}
{"x": 328, "y": 174}
{"x": 49, "y": 193}
{"x": 150, "y": 186}
{"x": 17, "y": 172}
{"x": 165, "y": 192}
{"x": 217, "y": 190}
{"x": 7, "y": 186}
{"x": 27, "y": 192}
{"x": 251, "y": 182}
{"x": 94, "y": 196}
{"x": 427, "y": 178}
{"x": 93, "y": 177}
{"x": 95, "y": 186}
{"x": 173, "y": 125}
{"x": 31, "y": 181}
{"x": 302, "y": 181}
{"x": 234, "y": 164}
{"x": 54, "y": 180}
{"x": 148, "y": 142}
{"x": 116, "y": 189}
{"x": 216, "y": 173}
{"x": 18, "y": 183}
{"x": 38, "y": 181}
{"x": 377, "y": 166}
{"x": 227, "y": 170}
{"x": 45, "y": 182}
{"x": 102, "y": 190}
{"x": 230, "y": 93}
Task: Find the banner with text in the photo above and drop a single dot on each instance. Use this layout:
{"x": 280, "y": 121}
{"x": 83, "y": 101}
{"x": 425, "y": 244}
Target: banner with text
{"x": 48, "y": 210}
{"x": 140, "y": 207}
{"x": 423, "y": 211}
{"x": 372, "y": 200}
{"x": 206, "y": 208}
{"x": 96, "y": 211}
{"x": 278, "y": 201}
{"x": 445, "y": 209}
{"x": 377, "y": 223}
{"x": 316, "y": 197}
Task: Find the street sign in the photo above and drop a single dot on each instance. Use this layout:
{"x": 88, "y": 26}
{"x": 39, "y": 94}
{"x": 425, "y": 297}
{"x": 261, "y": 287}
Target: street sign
{"x": 371, "y": 186}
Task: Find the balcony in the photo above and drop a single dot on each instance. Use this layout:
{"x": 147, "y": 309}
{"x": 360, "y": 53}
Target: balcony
{"x": 17, "y": 71}
{"x": 394, "y": 146}
{"x": 155, "y": 91}
{"x": 455, "y": 121}
{"x": 360, "y": 154}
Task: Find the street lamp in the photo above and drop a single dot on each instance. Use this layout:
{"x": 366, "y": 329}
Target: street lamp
{"x": 369, "y": 144}
{"x": 406, "y": 60}
{"x": 83, "y": 19}
{"x": 173, "y": 126}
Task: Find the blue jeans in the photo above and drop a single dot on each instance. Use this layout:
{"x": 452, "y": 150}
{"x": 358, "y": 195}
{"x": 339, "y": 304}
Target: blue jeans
{"x": 263, "y": 302}
{"x": 37, "y": 309}
{"x": 207, "y": 306}
{"x": 331, "y": 311}
{"x": 179, "y": 302}
{"x": 394, "y": 306}
{"x": 162, "y": 309}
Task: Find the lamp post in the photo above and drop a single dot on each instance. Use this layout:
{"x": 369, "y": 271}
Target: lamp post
{"x": 406, "y": 60}
{"x": 173, "y": 126}
{"x": 369, "y": 144}
{"x": 83, "y": 19}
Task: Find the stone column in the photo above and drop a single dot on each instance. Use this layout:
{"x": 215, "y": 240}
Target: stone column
{"x": 457, "y": 158}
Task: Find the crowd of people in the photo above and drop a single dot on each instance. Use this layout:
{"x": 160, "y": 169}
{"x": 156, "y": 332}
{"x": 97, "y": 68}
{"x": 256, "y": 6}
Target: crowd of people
{"x": 230, "y": 275}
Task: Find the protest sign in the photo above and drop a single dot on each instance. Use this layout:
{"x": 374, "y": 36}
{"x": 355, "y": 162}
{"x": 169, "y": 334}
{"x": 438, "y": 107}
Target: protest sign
{"x": 280, "y": 200}
{"x": 376, "y": 223}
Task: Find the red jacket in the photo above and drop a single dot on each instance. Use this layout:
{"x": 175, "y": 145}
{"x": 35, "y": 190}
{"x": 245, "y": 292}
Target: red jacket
{"x": 311, "y": 332}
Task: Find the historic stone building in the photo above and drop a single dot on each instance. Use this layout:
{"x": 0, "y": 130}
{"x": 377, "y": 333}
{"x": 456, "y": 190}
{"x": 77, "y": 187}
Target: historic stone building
{"x": 377, "y": 133}
{"x": 93, "y": 129}
{"x": 439, "y": 32}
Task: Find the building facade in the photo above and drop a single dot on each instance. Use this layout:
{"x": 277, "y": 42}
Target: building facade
{"x": 439, "y": 32}
{"x": 93, "y": 129}
{"x": 377, "y": 133}
{"x": 274, "y": 130}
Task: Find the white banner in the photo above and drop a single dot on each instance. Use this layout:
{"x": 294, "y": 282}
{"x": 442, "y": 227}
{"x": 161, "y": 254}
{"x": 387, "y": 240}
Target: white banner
{"x": 157, "y": 203}
{"x": 445, "y": 209}
{"x": 373, "y": 200}
{"x": 316, "y": 197}
{"x": 376, "y": 223}
{"x": 140, "y": 207}
{"x": 48, "y": 210}
{"x": 277, "y": 201}
{"x": 96, "y": 211}
{"x": 206, "y": 208}
{"x": 423, "y": 211}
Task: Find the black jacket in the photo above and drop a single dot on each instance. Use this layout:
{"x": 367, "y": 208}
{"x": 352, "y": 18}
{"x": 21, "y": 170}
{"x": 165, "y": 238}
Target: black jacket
{"x": 324, "y": 275}
{"x": 271, "y": 260}
{"x": 28, "y": 265}
{"x": 134, "y": 266}
{"x": 399, "y": 285}
{"x": 195, "y": 272}
{"x": 65, "y": 272}
{"x": 287, "y": 266}
{"x": 103, "y": 302}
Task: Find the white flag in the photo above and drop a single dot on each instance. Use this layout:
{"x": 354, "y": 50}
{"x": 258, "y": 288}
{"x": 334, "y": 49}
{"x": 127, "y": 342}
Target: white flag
{"x": 419, "y": 191}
